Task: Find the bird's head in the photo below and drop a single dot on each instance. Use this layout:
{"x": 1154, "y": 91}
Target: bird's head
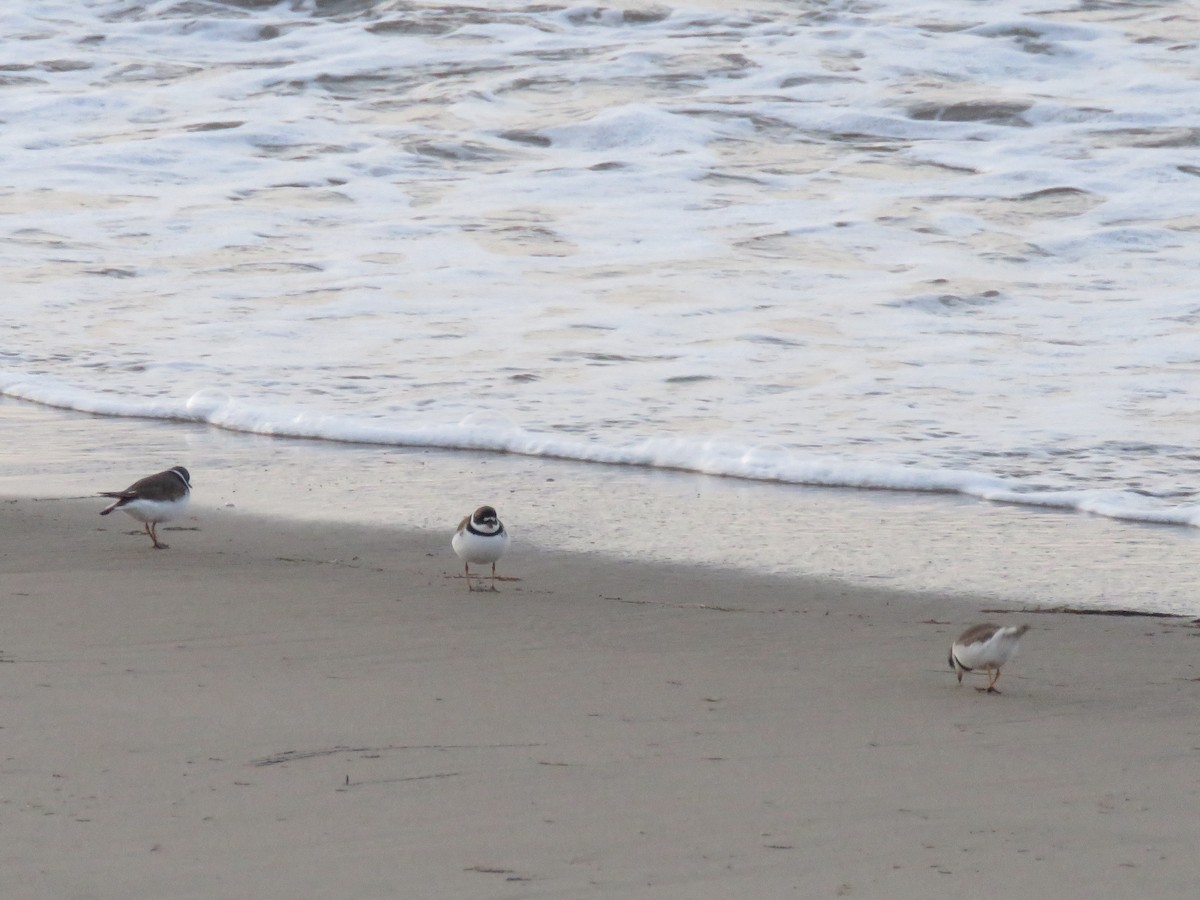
{"x": 485, "y": 515}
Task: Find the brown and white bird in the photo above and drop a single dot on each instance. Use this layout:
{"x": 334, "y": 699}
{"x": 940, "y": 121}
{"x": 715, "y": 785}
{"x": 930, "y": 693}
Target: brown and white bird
{"x": 480, "y": 539}
{"x": 154, "y": 499}
{"x": 986, "y": 647}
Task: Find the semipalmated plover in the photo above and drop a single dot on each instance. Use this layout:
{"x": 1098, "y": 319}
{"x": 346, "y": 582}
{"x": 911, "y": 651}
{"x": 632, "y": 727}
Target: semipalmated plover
{"x": 480, "y": 539}
{"x": 154, "y": 499}
{"x": 986, "y": 647}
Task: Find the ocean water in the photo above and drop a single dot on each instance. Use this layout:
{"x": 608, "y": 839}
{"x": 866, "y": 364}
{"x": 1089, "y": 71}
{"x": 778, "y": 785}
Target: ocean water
{"x": 922, "y": 246}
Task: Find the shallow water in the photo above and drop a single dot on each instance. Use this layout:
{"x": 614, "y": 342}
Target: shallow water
{"x": 937, "y": 248}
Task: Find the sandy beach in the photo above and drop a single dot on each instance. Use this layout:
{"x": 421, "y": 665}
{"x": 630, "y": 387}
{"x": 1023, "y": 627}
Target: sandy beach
{"x": 284, "y": 709}
{"x": 789, "y": 340}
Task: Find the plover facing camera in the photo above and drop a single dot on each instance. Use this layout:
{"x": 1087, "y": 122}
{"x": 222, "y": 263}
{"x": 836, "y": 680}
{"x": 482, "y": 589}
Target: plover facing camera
{"x": 480, "y": 539}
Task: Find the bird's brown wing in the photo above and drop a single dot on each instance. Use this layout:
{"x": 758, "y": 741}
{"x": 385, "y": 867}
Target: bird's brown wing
{"x": 159, "y": 486}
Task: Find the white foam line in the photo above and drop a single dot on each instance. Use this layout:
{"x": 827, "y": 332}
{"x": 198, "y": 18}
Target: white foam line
{"x": 496, "y": 435}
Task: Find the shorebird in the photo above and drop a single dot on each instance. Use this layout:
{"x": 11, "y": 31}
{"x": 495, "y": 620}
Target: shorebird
{"x": 156, "y": 498}
{"x": 986, "y": 647}
{"x": 480, "y": 539}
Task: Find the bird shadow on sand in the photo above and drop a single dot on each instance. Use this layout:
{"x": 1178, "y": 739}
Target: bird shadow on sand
{"x": 477, "y": 579}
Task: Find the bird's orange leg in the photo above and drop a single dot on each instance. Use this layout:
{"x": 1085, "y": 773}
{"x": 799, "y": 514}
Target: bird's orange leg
{"x": 467, "y": 575}
{"x": 152, "y": 530}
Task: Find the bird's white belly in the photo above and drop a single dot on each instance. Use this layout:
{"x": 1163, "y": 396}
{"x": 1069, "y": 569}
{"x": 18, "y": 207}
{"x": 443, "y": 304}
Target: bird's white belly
{"x": 155, "y": 510}
{"x": 992, "y": 654}
{"x": 479, "y": 548}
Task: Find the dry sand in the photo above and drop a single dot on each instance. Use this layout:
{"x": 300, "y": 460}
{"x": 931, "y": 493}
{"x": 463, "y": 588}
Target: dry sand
{"x": 282, "y": 710}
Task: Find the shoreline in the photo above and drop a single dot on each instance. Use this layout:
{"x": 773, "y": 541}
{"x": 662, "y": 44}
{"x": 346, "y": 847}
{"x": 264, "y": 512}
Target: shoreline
{"x": 284, "y": 708}
{"x": 927, "y": 543}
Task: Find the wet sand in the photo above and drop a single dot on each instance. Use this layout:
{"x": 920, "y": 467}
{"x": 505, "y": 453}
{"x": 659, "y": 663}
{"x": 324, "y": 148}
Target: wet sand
{"x": 915, "y": 542}
{"x": 276, "y": 708}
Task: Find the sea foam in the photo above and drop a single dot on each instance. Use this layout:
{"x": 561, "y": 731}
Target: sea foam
{"x": 491, "y": 433}
{"x": 850, "y": 246}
